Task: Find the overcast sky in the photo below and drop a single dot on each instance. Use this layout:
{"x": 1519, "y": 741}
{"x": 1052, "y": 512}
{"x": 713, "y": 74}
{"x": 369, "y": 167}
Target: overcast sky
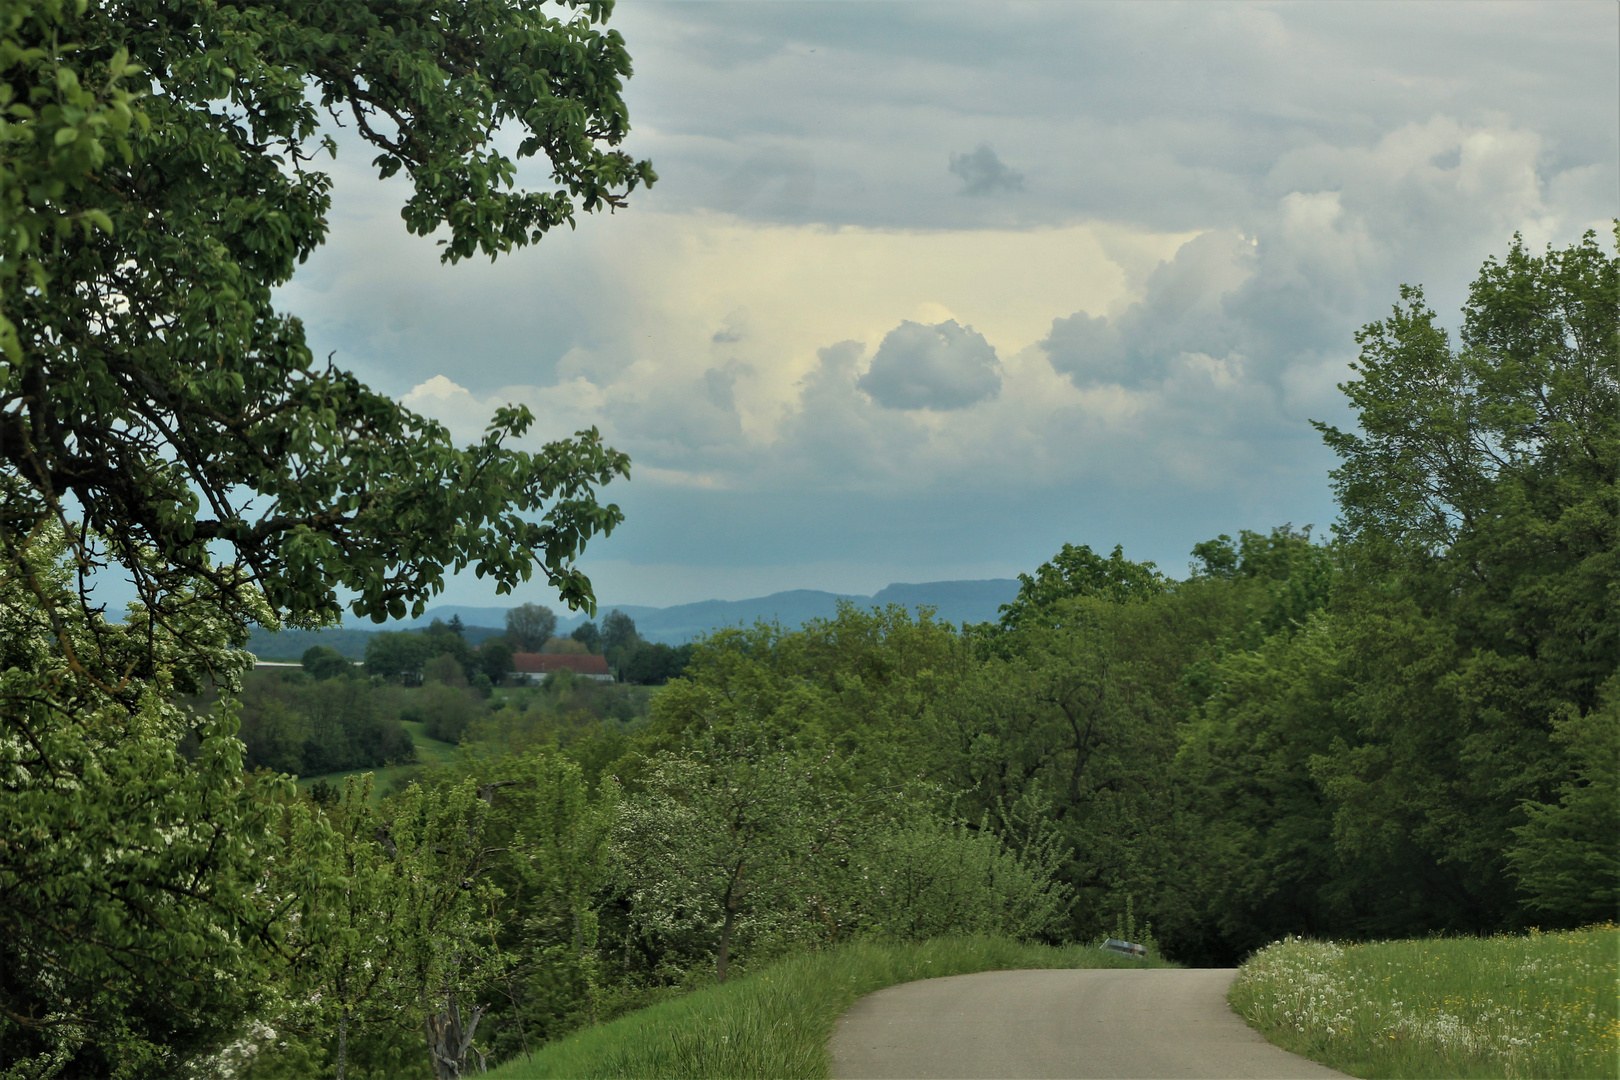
{"x": 926, "y": 290}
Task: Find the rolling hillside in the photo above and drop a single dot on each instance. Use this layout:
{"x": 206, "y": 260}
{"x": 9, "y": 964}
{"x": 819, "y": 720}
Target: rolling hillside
{"x": 953, "y": 601}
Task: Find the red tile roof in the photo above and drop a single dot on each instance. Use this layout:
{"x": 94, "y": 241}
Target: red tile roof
{"x": 528, "y": 663}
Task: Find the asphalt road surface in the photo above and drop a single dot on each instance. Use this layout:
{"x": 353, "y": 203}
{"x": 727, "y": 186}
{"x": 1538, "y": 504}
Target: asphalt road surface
{"x": 1148, "y": 1024}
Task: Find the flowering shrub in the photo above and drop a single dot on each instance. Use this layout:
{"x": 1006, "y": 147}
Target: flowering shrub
{"x": 132, "y": 932}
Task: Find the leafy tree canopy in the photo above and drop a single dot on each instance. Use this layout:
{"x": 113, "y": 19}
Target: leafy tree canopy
{"x": 587, "y": 635}
{"x": 618, "y": 631}
{"x": 1487, "y": 473}
{"x": 124, "y": 868}
{"x": 159, "y": 181}
{"x": 1079, "y": 571}
{"x": 325, "y": 663}
{"x": 529, "y": 627}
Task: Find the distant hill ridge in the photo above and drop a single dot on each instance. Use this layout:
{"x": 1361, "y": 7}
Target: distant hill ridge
{"x": 954, "y": 601}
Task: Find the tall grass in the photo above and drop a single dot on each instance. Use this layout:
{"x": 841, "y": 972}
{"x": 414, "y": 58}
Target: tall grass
{"x": 776, "y": 1022}
{"x": 1541, "y": 1005}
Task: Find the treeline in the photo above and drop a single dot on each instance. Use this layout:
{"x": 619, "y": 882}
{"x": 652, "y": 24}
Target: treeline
{"x": 294, "y": 723}
{"x": 331, "y": 717}
{"x": 441, "y": 650}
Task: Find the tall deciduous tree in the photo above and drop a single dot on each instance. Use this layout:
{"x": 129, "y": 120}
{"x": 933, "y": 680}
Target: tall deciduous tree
{"x": 587, "y": 635}
{"x": 1480, "y": 510}
{"x": 349, "y": 941}
{"x": 158, "y": 180}
{"x": 1079, "y": 571}
{"x": 529, "y": 627}
{"x": 715, "y": 845}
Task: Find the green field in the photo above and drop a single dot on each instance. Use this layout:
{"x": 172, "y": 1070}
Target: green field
{"x": 776, "y": 1022}
{"x": 428, "y": 752}
{"x": 1541, "y": 1005}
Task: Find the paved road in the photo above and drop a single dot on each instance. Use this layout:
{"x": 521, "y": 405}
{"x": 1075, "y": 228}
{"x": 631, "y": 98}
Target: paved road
{"x": 1149, "y": 1024}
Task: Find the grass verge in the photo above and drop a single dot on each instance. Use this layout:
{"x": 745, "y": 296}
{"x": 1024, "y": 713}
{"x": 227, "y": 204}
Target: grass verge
{"x": 1541, "y": 1005}
{"x": 777, "y": 1021}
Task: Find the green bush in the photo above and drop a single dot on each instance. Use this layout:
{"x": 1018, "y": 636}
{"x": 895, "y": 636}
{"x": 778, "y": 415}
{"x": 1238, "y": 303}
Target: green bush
{"x": 926, "y": 878}
{"x": 445, "y": 711}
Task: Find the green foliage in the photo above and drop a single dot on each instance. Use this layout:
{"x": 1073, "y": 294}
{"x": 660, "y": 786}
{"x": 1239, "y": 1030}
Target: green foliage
{"x": 1295, "y": 574}
{"x": 295, "y": 725}
{"x": 651, "y": 663}
{"x": 868, "y": 683}
{"x": 445, "y": 670}
{"x": 59, "y": 127}
{"x": 291, "y": 644}
{"x": 157, "y": 183}
{"x": 398, "y": 656}
{"x": 1567, "y": 859}
{"x": 558, "y": 834}
{"x": 444, "y": 711}
{"x": 922, "y": 878}
{"x": 352, "y": 940}
{"x": 132, "y": 935}
{"x": 1410, "y": 729}
{"x": 529, "y": 627}
{"x": 445, "y": 639}
{"x": 494, "y": 660}
{"x": 715, "y": 848}
{"x": 145, "y": 228}
{"x": 587, "y": 635}
{"x": 325, "y": 663}
{"x": 587, "y": 718}
{"x": 1079, "y": 571}
{"x": 1478, "y": 614}
{"x": 618, "y": 631}
{"x": 1076, "y": 723}
{"x": 437, "y": 850}
{"x": 1268, "y": 861}
{"x": 436, "y": 653}
{"x": 740, "y": 845}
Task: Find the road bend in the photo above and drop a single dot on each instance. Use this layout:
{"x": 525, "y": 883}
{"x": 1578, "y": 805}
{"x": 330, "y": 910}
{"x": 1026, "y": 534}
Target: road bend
{"x": 1146, "y": 1024}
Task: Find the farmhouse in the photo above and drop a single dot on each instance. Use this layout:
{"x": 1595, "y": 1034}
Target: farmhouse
{"x": 531, "y": 668}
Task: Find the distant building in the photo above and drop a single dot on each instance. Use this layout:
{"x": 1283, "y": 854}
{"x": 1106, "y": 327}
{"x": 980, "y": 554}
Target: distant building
{"x": 529, "y": 668}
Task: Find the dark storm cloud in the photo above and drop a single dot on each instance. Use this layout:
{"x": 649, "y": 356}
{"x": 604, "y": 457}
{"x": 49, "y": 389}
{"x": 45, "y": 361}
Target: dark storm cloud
{"x": 940, "y": 367}
{"x": 983, "y": 173}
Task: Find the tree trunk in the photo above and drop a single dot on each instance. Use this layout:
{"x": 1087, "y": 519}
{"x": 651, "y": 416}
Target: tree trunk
{"x": 449, "y": 1035}
{"x": 724, "y": 956}
{"x": 343, "y": 1043}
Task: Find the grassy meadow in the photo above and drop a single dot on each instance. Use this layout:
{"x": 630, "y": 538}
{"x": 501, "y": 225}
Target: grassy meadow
{"x": 1541, "y": 1005}
{"x": 777, "y": 1021}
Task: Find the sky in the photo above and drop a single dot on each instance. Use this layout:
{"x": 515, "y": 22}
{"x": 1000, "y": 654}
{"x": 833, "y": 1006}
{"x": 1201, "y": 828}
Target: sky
{"x": 926, "y": 290}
